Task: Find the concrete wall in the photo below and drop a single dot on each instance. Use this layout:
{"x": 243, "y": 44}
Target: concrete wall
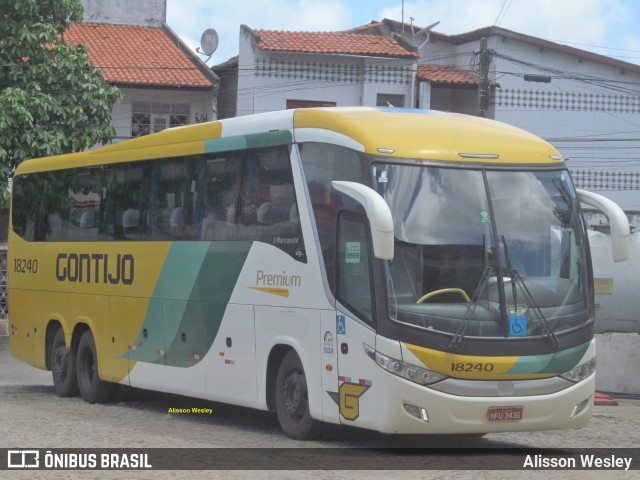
{"x": 147, "y": 13}
{"x": 618, "y": 363}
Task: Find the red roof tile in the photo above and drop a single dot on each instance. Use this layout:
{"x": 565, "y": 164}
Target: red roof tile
{"x": 446, "y": 75}
{"x": 134, "y": 55}
{"x": 331, "y": 43}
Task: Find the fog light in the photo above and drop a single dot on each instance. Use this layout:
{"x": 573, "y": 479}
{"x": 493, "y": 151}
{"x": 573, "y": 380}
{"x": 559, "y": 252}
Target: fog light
{"x": 419, "y": 413}
{"x": 580, "y": 407}
{"x": 425, "y": 415}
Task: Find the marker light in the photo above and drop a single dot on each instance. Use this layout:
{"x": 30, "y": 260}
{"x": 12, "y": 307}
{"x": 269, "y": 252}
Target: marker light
{"x": 483, "y": 156}
{"x": 581, "y": 372}
{"x": 421, "y": 376}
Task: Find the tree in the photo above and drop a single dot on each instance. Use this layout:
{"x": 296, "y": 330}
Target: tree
{"x": 53, "y": 100}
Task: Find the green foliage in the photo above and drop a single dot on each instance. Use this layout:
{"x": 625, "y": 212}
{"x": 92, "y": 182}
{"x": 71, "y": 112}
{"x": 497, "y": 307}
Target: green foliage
{"x": 53, "y": 100}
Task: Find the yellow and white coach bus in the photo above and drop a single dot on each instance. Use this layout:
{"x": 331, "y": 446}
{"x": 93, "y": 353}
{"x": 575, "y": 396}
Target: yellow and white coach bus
{"x": 398, "y": 270}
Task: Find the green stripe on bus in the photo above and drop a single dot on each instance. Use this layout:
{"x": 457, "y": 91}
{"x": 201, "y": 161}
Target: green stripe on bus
{"x": 558, "y": 362}
{"x": 203, "y": 313}
{"x": 243, "y": 142}
{"x": 172, "y": 290}
{"x": 189, "y": 301}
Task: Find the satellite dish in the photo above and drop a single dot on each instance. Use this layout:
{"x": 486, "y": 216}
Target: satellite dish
{"x": 209, "y": 41}
{"x": 425, "y": 29}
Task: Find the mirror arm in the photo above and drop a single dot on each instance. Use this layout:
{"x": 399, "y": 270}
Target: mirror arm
{"x": 620, "y": 232}
{"x": 378, "y": 213}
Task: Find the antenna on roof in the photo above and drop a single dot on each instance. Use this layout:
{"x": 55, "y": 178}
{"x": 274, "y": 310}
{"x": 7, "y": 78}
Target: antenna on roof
{"x": 426, "y": 30}
{"x": 208, "y": 43}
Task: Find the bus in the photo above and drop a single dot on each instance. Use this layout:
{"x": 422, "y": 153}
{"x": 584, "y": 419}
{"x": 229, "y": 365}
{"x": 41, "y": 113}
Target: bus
{"x": 404, "y": 271}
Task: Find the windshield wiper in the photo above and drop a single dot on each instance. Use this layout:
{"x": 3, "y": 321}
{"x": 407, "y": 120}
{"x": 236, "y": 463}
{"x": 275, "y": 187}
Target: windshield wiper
{"x": 458, "y": 339}
{"x": 515, "y": 278}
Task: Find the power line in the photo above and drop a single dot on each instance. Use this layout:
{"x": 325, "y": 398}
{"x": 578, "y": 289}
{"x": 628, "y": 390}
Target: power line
{"x": 502, "y": 13}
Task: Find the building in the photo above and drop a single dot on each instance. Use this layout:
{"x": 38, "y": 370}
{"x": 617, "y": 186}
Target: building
{"x": 587, "y": 105}
{"x": 164, "y": 83}
{"x": 302, "y": 69}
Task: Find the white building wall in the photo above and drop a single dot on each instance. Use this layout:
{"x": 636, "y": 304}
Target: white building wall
{"x": 388, "y": 77}
{"x": 424, "y": 96}
{"x": 246, "y": 73}
{"x": 282, "y": 77}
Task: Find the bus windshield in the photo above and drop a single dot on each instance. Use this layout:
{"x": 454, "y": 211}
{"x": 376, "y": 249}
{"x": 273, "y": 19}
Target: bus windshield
{"x": 485, "y": 253}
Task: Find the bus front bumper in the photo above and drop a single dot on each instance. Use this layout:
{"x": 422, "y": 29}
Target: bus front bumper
{"x": 406, "y": 407}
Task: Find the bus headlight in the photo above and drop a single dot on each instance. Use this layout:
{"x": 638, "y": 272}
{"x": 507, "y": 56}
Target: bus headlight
{"x": 419, "y": 375}
{"x": 581, "y": 372}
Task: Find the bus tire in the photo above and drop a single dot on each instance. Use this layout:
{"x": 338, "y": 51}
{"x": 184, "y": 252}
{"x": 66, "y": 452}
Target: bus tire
{"x": 292, "y": 399}
{"x": 92, "y": 389}
{"x": 63, "y": 367}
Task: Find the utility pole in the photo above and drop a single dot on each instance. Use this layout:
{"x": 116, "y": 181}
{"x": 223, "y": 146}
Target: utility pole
{"x": 483, "y": 83}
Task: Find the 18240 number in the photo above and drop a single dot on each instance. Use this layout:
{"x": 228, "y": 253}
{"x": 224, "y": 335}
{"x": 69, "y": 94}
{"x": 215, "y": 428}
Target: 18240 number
{"x": 25, "y": 265}
{"x": 472, "y": 367}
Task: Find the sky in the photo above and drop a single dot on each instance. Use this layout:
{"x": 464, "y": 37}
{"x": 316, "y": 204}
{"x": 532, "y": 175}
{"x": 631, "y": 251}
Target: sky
{"x": 608, "y": 27}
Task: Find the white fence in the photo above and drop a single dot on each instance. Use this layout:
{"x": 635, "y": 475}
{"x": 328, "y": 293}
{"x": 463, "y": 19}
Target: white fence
{"x": 4, "y": 306}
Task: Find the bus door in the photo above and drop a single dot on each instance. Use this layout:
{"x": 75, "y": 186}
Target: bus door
{"x": 355, "y": 322}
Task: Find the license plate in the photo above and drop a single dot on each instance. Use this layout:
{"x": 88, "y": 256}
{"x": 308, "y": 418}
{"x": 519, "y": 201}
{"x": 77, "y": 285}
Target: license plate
{"x": 504, "y": 414}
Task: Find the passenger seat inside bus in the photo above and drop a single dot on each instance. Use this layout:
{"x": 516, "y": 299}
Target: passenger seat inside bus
{"x": 278, "y": 211}
{"x": 131, "y": 223}
{"x": 176, "y": 221}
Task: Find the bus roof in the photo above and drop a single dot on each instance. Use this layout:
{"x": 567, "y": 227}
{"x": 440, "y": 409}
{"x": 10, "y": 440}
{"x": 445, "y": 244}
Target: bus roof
{"x": 431, "y": 135}
{"x": 386, "y": 132}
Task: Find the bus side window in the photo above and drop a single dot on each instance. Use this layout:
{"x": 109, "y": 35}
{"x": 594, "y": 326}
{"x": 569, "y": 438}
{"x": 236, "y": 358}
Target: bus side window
{"x": 85, "y": 198}
{"x": 25, "y": 189}
{"x": 268, "y": 210}
{"x": 169, "y": 199}
{"x": 354, "y": 285}
{"x": 124, "y": 217}
{"x": 322, "y": 164}
{"x": 54, "y": 215}
{"x": 217, "y": 197}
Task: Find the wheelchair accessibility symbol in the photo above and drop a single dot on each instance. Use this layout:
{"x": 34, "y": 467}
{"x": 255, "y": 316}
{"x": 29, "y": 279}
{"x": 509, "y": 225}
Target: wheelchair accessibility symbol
{"x": 517, "y": 326}
{"x": 341, "y": 325}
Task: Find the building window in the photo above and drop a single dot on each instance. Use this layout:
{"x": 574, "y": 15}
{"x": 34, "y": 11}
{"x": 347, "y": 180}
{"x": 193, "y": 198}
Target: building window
{"x": 149, "y": 117}
{"x": 390, "y": 100}
{"x": 308, "y": 104}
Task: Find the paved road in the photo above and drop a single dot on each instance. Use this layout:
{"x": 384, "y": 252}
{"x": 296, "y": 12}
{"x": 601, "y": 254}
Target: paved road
{"x": 31, "y": 415}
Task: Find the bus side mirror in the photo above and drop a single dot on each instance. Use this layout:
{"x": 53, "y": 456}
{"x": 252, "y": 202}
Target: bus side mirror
{"x": 378, "y": 214}
{"x": 620, "y": 232}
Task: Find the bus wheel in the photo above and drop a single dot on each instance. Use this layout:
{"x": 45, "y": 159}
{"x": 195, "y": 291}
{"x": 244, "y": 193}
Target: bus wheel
{"x": 92, "y": 389}
{"x": 63, "y": 367}
{"x": 292, "y": 399}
